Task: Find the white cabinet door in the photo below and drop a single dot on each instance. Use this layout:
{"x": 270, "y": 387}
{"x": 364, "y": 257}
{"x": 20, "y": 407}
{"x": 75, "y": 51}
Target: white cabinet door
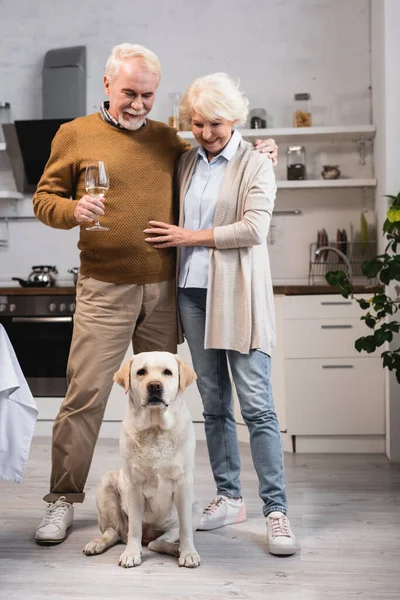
{"x": 335, "y": 396}
{"x": 315, "y": 338}
{"x": 323, "y": 306}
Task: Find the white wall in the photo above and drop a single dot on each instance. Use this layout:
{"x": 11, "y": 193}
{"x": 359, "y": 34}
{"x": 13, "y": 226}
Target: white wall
{"x": 386, "y": 100}
{"x": 275, "y": 47}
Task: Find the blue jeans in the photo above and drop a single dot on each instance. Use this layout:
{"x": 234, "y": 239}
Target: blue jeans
{"x": 251, "y": 375}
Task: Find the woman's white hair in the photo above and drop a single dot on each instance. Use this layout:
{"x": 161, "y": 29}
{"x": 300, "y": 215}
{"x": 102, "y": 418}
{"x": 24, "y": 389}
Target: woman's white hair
{"x": 126, "y": 51}
{"x": 214, "y": 97}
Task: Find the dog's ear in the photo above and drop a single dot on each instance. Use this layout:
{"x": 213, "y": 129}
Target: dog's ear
{"x": 123, "y": 376}
{"x": 186, "y": 374}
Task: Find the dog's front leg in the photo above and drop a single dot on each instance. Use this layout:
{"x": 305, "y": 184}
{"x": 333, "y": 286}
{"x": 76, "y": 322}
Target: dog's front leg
{"x": 132, "y": 555}
{"x": 183, "y": 496}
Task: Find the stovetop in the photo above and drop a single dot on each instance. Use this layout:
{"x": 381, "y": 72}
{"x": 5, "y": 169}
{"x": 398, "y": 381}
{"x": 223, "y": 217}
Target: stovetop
{"x": 37, "y": 302}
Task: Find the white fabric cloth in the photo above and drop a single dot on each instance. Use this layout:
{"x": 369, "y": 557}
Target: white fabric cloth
{"x": 18, "y": 414}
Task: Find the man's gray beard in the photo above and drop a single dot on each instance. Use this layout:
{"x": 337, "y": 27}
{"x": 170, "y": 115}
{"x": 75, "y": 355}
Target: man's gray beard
{"x": 131, "y": 125}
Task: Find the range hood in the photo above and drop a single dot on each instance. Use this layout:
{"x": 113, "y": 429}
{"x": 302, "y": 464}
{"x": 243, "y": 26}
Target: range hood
{"x": 28, "y": 147}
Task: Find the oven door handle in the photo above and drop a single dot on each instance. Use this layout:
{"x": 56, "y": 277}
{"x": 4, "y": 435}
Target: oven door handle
{"x": 41, "y": 319}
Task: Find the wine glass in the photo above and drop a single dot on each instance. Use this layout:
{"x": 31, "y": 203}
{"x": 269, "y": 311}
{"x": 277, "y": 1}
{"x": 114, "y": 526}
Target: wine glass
{"x": 96, "y": 185}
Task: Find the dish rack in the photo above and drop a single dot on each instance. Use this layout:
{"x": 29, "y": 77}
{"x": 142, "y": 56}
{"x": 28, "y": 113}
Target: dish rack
{"x": 330, "y": 260}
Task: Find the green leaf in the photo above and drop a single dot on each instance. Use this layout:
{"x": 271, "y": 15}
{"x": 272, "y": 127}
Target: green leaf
{"x": 380, "y": 337}
{"x": 387, "y": 360}
{"x": 393, "y": 215}
{"x": 388, "y": 227}
{"x": 338, "y": 279}
{"x": 364, "y": 304}
{"x": 394, "y": 270}
{"x": 385, "y": 276}
{"x": 371, "y": 268}
{"x": 365, "y": 343}
{"x": 359, "y": 344}
{"x": 370, "y": 322}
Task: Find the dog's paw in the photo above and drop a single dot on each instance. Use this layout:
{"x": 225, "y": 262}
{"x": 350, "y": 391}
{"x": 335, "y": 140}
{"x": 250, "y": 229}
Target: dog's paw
{"x": 130, "y": 559}
{"x": 96, "y": 546}
{"x": 189, "y": 559}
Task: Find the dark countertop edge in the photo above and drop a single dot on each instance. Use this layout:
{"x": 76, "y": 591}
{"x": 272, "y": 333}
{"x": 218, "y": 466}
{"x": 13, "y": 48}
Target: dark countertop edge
{"x": 37, "y": 291}
{"x": 312, "y": 290}
{"x": 285, "y": 290}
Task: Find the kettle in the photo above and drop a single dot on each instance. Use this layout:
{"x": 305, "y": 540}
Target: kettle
{"x": 75, "y": 272}
{"x": 41, "y": 276}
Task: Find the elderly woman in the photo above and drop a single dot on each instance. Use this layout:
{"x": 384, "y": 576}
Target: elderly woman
{"x": 227, "y": 192}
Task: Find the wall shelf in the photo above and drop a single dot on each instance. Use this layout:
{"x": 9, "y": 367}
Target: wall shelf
{"x": 325, "y": 183}
{"x": 343, "y": 133}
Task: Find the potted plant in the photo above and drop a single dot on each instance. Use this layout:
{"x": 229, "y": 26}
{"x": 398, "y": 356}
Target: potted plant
{"x": 380, "y": 307}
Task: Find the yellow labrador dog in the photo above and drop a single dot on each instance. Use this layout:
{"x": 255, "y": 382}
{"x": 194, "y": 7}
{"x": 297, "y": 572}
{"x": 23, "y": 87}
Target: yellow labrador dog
{"x": 150, "y": 499}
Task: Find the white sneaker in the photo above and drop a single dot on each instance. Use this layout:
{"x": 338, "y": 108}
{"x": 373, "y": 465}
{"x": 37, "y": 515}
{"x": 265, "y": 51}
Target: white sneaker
{"x": 279, "y": 535}
{"x": 56, "y": 522}
{"x": 222, "y": 511}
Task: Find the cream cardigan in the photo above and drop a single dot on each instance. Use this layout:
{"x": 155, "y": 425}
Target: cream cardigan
{"x": 240, "y": 304}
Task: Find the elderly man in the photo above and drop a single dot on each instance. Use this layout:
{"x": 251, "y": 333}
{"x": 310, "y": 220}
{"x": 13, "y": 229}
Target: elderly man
{"x": 126, "y": 289}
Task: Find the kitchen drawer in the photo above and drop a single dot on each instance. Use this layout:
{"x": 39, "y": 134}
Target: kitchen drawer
{"x": 318, "y": 338}
{"x": 335, "y": 396}
{"x": 329, "y": 306}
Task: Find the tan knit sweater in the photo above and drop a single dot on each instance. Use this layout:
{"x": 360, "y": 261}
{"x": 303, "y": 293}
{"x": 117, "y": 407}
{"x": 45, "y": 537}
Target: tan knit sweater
{"x": 140, "y": 165}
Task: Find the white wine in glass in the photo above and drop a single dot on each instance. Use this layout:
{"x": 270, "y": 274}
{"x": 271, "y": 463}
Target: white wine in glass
{"x": 96, "y": 184}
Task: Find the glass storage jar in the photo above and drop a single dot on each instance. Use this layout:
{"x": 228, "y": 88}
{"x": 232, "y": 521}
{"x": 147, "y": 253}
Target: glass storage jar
{"x": 258, "y": 118}
{"x": 302, "y": 110}
{"x": 173, "y": 119}
{"x": 296, "y": 162}
{"x": 5, "y": 117}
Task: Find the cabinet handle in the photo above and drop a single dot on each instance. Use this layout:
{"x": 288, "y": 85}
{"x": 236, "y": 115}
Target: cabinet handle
{"x": 338, "y": 303}
{"x": 336, "y": 326}
{"x": 338, "y": 366}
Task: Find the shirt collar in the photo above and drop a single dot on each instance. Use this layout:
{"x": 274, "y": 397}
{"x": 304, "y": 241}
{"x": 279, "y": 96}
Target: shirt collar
{"x": 107, "y": 117}
{"x": 230, "y": 149}
{"x": 104, "y": 111}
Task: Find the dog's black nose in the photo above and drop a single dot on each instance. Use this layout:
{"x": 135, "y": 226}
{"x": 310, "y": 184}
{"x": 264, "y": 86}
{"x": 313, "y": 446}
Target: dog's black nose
{"x": 154, "y": 386}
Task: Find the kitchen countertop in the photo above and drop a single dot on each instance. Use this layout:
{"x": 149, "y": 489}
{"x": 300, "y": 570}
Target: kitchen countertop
{"x": 286, "y": 290}
{"x": 306, "y": 290}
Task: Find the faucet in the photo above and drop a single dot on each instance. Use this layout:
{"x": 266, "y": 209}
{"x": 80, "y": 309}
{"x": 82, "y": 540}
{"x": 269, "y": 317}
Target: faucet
{"x": 342, "y": 256}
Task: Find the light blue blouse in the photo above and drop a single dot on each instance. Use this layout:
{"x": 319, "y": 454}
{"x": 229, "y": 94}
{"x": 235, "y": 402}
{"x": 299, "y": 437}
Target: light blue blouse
{"x": 199, "y": 209}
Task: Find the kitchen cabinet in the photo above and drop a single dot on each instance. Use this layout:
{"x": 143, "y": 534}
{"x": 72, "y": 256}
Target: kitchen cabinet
{"x": 328, "y": 397}
{"x": 331, "y": 389}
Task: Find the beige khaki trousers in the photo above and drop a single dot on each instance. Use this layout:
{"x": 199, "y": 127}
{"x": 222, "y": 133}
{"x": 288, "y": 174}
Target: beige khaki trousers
{"x": 107, "y": 318}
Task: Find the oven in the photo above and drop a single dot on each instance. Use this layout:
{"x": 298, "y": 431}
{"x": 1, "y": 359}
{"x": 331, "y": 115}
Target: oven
{"x": 40, "y": 331}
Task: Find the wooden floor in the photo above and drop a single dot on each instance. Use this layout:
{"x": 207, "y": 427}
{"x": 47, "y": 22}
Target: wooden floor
{"x": 344, "y": 510}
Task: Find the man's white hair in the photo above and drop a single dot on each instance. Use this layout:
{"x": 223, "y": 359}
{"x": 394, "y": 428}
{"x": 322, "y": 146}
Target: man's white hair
{"x": 127, "y": 51}
{"x": 214, "y": 97}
